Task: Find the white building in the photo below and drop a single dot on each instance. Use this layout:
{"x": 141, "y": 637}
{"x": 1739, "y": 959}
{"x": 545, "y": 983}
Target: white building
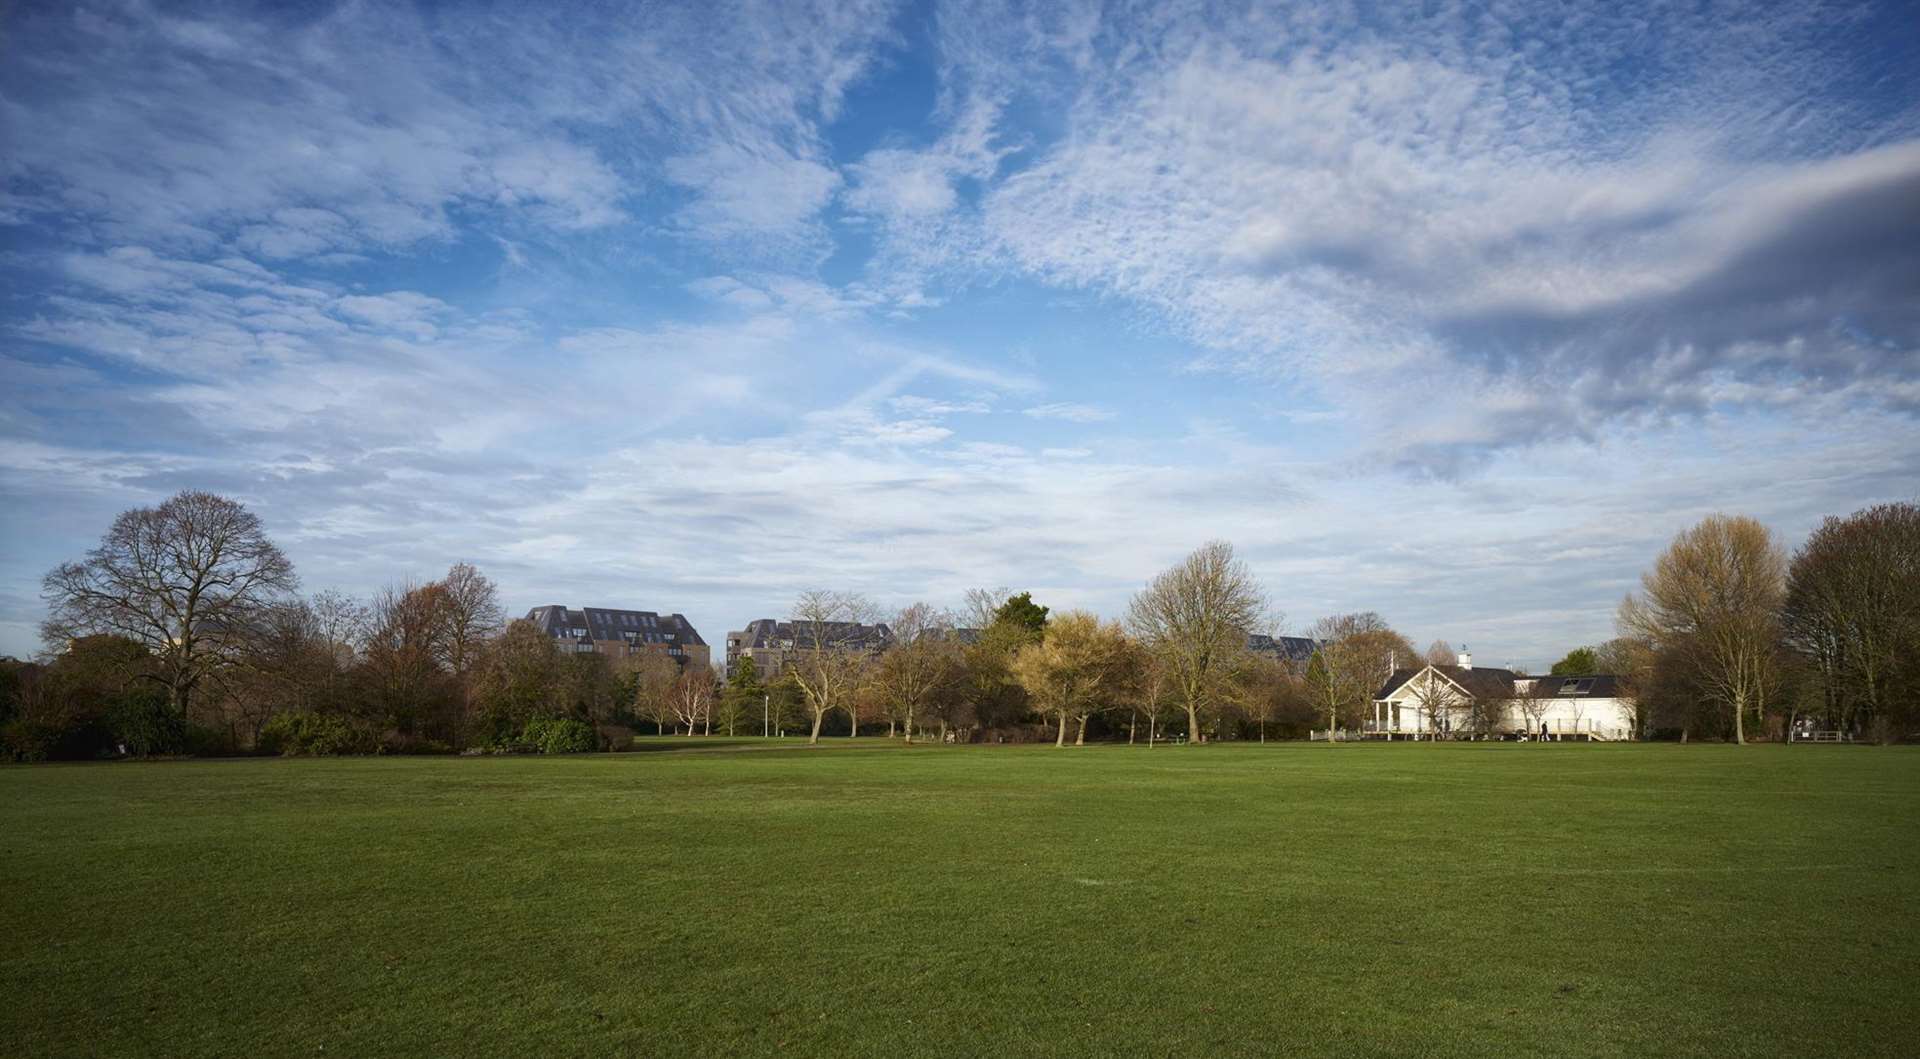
{"x": 1418, "y": 703}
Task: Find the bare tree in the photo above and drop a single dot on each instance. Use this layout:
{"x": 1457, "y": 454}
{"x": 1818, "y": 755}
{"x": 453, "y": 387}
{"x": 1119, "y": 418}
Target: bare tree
{"x": 515, "y": 679}
{"x": 1852, "y": 612}
{"x": 1083, "y": 666}
{"x": 1441, "y": 653}
{"x": 1629, "y": 660}
{"x": 181, "y": 579}
{"x": 472, "y": 614}
{"x": 693, "y": 698}
{"x": 1196, "y": 617}
{"x": 953, "y": 706}
{"x": 730, "y": 704}
{"x": 1714, "y": 598}
{"x": 1153, "y": 698}
{"x": 279, "y": 664}
{"x": 924, "y": 662}
{"x": 411, "y": 691}
{"x": 296, "y": 655}
{"x": 829, "y": 657}
{"x": 982, "y": 605}
{"x": 340, "y": 621}
{"x": 1266, "y": 687}
{"x": 654, "y": 678}
{"x": 1358, "y": 653}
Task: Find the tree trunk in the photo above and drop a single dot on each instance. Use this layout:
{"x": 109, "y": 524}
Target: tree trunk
{"x": 1133, "y": 724}
{"x": 892, "y": 726}
{"x": 818, "y": 716}
{"x": 1060, "y": 738}
{"x": 1739, "y": 720}
{"x": 853, "y": 723}
{"x": 1080, "y": 738}
{"x": 943, "y": 730}
{"x": 1263, "y": 733}
{"x": 1193, "y": 724}
{"x": 909, "y": 729}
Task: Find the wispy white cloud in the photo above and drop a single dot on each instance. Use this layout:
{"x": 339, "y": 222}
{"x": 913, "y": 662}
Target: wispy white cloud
{"x": 769, "y": 199}
{"x": 368, "y": 128}
{"x": 913, "y": 404}
{"x": 1376, "y": 212}
{"x": 1069, "y": 411}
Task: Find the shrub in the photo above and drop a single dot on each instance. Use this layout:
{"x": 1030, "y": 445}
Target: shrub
{"x": 202, "y": 741}
{"x": 302, "y": 734}
{"x": 559, "y": 735}
{"x": 26, "y": 740}
{"x": 144, "y": 724}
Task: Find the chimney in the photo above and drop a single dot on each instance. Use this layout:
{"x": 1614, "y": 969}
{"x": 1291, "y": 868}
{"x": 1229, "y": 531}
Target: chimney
{"x": 1466, "y": 657}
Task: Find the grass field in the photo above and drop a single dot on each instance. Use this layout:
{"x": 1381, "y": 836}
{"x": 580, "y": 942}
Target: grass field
{"x": 745, "y": 899}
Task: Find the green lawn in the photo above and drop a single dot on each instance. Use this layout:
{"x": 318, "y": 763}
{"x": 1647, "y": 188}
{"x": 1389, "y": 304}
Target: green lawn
{"x": 868, "y": 900}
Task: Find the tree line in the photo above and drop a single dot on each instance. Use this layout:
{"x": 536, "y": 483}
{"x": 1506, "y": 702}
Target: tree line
{"x": 1003, "y": 668}
{"x": 184, "y": 632}
{"x": 1730, "y": 637}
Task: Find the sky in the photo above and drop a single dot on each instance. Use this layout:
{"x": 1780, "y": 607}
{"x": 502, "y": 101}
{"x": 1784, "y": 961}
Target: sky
{"x": 1458, "y": 314}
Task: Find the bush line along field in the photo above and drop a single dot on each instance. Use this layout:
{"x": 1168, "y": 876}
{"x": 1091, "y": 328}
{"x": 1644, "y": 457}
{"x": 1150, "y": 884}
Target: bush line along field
{"x": 1471, "y": 899}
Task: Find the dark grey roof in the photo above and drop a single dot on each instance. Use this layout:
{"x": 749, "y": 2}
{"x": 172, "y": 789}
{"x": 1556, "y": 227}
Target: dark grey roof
{"x": 766, "y": 632}
{"x": 1594, "y": 686}
{"x": 604, "y": 623}
{"x": 1298, "y": 649}
{"x": 1479, "y": 681}
{"x": 1485, "y": 682}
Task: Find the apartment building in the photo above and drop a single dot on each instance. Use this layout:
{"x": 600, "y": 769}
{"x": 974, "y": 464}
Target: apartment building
{"x": 621, "y": 633}
{"x": 1296, "y": 651}
{"x": 770, "y": 642}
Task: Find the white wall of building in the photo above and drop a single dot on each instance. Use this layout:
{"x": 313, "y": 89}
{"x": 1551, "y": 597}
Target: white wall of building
{"x": 1603, "y": 717}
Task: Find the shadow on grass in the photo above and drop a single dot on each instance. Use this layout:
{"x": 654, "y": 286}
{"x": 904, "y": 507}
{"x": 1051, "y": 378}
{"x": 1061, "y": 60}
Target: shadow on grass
{"x": 660, "y": 744}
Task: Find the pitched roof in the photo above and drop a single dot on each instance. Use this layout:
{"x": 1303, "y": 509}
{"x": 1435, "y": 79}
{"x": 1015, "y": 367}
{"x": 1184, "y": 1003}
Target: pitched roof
{"x": 1594, "y": 686}
{"x": 767, "y": 632}
{"x": 1287, "y": 648}
{"x": 1479, "y": 681}
{"x": 1487, "y": 682}
{"x": 605, "y": 623}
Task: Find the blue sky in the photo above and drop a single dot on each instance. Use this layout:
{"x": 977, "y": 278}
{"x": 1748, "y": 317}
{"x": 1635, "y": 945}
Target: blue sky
{"x": 1458, "y": 315}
